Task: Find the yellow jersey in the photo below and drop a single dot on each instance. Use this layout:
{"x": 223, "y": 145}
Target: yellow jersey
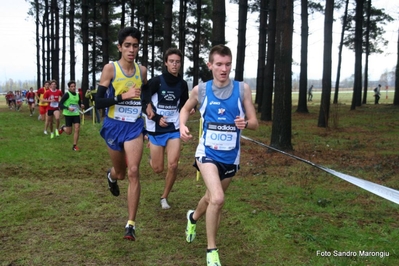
{"x": 130, "y": 109}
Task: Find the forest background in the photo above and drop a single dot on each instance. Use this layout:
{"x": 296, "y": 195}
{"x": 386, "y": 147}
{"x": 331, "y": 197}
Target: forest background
{"x": 16, "y": 26}
{"x": 195, "y": 26}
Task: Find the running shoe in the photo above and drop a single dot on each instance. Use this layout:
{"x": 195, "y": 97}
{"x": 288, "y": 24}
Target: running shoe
{"x": 113, "y": 186}
{"x": 51, "y": 135}
{"x": 45, "y": 132}
{"x": 75, "y": 148}
{"x": 190, "y": 229}
{"x": 130, "y": 233}
{"x": 164, "y": 204}
{"x": 212, "y": 258}
{"x": 57, "y": 134}
{"x": 61, "y": 130}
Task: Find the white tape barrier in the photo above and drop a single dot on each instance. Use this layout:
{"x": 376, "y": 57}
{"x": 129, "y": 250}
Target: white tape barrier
{"x": 382, "y": 191}
{"x": 88, "y": 109}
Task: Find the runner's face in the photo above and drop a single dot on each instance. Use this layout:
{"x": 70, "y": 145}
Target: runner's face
{"x": 220, "y": 67}
{"x": 173, "y": 64}
{"x": 53, "y": 86}
{"x": 129, "y": 49}
{"x": 72, "y": 87}
{"x": 46, "y": 85}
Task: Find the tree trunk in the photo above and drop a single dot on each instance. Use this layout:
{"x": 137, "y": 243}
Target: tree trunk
{"x": 327, "y": 64}
{"x": 167, "y": 27}
{"x": 44, "y": 62}
{"x": 197, "y": 43}
{"x": 37, "y": 22}
{"x": 93, "y": 46}
{"x": 72, "y": 57}
{"x": 145, "y": 35}
{"x": 341, "y": 44}
{"x": 123, "y": 13}
{"x": 303, "y": 77}
{"x": 85, "y": 43}
{"x": 63, "y": 53}
{"x": 132, "y": 14}
{"x": 105, "y": 31}
{"x": 267, "y": 95}
{"x": 219, "y": 22}
{"x": 182, "y": 30}
{"x": 260, "y": 75}
{"x": 48, "y": 42}
{"x": 241, "y": 37}
{"x": 357, "y": 85}
{"x": 281, "y": 129}
{"x": 55, "y": 47}
{"x": 396, "y": 95}
{"x": 366, "y": 63}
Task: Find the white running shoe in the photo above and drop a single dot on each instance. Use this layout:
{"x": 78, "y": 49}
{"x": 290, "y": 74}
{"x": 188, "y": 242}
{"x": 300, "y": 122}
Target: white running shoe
{"x": 164, "y": 204}
{"x": 45, "y": 132}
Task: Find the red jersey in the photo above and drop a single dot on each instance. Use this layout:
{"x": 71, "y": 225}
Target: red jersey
{"x": 49, "y": 95}
{"x": 30, "y": 96}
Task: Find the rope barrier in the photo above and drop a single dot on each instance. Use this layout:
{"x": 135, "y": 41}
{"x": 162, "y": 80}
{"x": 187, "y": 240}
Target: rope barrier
{"x": 379, "y": 190}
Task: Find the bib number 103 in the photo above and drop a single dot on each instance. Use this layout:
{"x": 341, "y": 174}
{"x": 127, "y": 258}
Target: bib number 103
{"x": 221, "y": 137}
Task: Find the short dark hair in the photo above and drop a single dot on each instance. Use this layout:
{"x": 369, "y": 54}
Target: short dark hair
{"x": 70, "y": 83}
{"x": 128, "y": 31}
{"x": 219, "y": 49}
{"x": 171, "y": 51}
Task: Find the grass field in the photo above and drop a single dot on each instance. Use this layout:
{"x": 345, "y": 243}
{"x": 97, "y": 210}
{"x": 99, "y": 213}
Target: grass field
{"x": 55, "y": 208}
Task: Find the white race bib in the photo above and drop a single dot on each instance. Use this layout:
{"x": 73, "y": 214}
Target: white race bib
{"x": 127, "y": 113}
{"x": 221, "y": 137}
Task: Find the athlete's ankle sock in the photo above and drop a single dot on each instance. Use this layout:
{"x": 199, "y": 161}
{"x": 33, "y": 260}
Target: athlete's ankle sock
{"x": 191, "y": 218}
{"x": 110, "y": 178}
{"x": 130, "y": 222}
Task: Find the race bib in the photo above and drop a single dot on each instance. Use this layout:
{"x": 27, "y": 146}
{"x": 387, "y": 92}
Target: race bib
{"x": 221, "y": 136}
{"x": 54, "y": 104}
{"x": 75, "y": 108}
{"x": 127, "y": 113}
{"x": 170, "y": 116}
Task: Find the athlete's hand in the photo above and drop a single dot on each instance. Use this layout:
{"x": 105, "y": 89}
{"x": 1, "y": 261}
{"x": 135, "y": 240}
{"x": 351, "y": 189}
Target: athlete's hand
{"x": 185, "y": 133}
{"x": 162, "y": 122}
{"x": 240, "y": 122}
{"x": 133, "y": 92}
{"x": 149, "y": 111}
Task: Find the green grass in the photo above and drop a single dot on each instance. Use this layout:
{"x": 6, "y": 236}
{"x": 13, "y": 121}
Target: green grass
{"x": 55, "y": 208}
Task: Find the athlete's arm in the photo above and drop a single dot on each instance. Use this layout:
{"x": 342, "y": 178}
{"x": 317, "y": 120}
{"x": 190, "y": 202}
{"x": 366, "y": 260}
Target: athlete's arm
{"x": 147, "y": 91}
{"x": 250, "y": 113}
{"x": 184, "y": 94}
{"x": 185, "y": 113}
{"x": 105, "y": 79}
{"x": 45, "y": 95}
{"x": 62, "y": 101}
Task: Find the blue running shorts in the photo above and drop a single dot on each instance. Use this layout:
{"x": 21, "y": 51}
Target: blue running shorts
{"x": 116, "y": 133}
{"x": 162, "y": 139}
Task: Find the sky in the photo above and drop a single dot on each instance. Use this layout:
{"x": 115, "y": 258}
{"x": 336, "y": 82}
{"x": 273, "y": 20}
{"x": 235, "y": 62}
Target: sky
{"x": 18, "y": 50}
{"x": 378, "y": 64}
